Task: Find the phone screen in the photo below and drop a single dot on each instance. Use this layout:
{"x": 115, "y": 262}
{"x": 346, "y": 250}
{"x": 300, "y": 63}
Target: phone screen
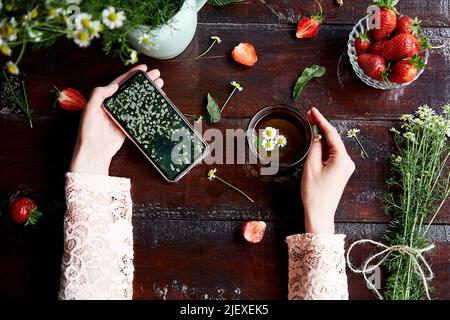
{"x": 156, "y": 126}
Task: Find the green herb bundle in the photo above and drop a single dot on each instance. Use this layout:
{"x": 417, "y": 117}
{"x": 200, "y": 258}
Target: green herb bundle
{"x": 418, "y": 191}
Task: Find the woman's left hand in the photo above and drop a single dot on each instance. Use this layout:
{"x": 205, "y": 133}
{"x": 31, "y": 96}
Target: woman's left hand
{"x": 99, "y": 138}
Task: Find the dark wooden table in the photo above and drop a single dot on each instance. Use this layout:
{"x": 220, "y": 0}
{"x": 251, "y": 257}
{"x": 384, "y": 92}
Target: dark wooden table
{"x": 187, "y": 236}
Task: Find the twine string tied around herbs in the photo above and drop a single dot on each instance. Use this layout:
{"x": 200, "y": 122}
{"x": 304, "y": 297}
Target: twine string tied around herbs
{"x": 415, "y": 254}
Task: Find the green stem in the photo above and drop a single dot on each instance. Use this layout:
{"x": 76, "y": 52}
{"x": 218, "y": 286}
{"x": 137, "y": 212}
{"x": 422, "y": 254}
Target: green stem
{"x": 229, "y": 97}
{"x": 17, "y": 100}
{"x": 320, "y": 6}
{"x": 361, "y": 146}
{"x": 207, "y": 50}
{"x": 235, "y": 188}
{"x": 27, "y": 106}
{"x": 22, "y": 51}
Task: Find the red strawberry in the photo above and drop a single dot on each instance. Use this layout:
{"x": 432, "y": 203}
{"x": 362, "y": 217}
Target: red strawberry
{"x": 362, "y": 43}
{"x": 24, "y": 210}
{"x": 377, "y": 47}
{"x": 245, "y": 54}
{"x": 388, "y": 19}
{"x": 70, "y": 99}
{"x": 308, "y": 27}
{"x": 407, "y": 25}
{"x": 401, "y": 46}
{"x": 253, "y": 231}
{"x": 372, "y": 65}
{"x": 406, "y": 70}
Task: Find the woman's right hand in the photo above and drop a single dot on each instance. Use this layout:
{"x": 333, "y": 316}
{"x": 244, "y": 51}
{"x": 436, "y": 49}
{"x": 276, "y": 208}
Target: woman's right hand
{"x": 326, "y": 172}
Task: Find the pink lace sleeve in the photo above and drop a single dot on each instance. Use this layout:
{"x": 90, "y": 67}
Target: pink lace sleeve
{"x": 317, "y": 267}
{"x": 98, "y": 238}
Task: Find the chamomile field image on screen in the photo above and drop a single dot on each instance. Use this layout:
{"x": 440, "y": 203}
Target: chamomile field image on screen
{"x": 160, "y": 131}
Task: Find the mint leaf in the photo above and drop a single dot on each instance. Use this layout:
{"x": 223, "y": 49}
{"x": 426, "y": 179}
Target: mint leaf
{"x": 219, "y": 3}
{"x": 313, "y": 71}
{"x": 212, "y": 110}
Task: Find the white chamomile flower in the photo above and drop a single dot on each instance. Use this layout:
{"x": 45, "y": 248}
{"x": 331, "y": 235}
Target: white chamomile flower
{"x": 352, "y": 132}
{"x": 237, "y": 85}
{"x": 212, "y": 174}
{"x": 83, "y": 21}
{"x": 268, "y": 144}
{"x": 410, "y": 136}
{"x": 95, "y": 28}
{"x": 53, "y": 13}
{"x": 12, "y": 68}
{"x": 407, "y": 117}
{"x": 133, "y": 58}
{"x": 216, "y": 38}
{"x": 4, "y": 48}
{"x": 446, "y": 109}
{"x": 144, "y": 38}
{"x": 425, "y": 112}
{"x": 281, "y": 141}
{"x": 269, "y": 133}
{"x": 393, "y": 130}
{"x": 82, "y": 38}
{"x": 9, "y": 30}
{"x": 113, "y": 19}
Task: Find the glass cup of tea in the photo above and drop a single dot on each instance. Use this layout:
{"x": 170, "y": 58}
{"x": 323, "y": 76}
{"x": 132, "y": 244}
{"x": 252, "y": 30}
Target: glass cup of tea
{"x": 292, "y": 124}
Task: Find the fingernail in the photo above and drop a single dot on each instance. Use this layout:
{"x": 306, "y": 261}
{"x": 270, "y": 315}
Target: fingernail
{"x": 113, "y": 85}
{"x": 317, "y": 137}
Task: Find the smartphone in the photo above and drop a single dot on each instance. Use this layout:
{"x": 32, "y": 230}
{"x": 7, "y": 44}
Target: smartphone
{"x": 156, "y": 126}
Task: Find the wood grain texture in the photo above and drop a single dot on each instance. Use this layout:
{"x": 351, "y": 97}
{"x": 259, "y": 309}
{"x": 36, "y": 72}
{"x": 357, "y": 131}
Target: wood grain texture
{"x": 41, "y": 157}
{"x": 187, "y": 235}
{"x": 435, "y": 13}
{"x": 180, "y": 259}
{"x": 282, "y": 57}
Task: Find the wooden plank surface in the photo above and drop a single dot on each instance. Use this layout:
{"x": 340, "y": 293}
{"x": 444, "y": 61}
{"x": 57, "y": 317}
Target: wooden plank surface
{"x": 435, "y": 13}
{"x": 276, "y": 198}
{"x": 180, "y": 259}
{"x": 282, "y": 57}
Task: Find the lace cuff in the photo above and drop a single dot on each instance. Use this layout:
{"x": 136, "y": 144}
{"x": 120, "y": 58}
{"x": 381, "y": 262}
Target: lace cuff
{"x": 98, "y": 238}
{"x": 317, "y": 267}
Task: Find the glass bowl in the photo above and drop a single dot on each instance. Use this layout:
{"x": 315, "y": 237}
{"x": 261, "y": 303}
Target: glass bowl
{"x": 291, "y": 123}
{"x": 361, "y": 27}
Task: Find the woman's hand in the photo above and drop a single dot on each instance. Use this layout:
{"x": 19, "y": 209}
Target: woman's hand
{"x": 99, "y": 138}
{"x": 326, "y": 172}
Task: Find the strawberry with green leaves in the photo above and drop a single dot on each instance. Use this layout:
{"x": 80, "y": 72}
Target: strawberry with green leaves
{"x": 408, "y": 25}
{"x": 388, "y": 19}
{"x": 308, "y": 27}
{"x": 24, "y": 210}
{"x": 406, "y": 70}
{"x": 362, "y": 43}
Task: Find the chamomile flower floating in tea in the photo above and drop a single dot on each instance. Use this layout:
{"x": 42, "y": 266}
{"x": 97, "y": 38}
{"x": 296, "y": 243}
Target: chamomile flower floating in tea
{"x": 212, "y": 175}
{"x": 268, "y": 144}
{"x": 352, "y": 133}
{"x": 215, "y": 40}
{"x": 281, "y": 140}
{"x": 269, "y": 133}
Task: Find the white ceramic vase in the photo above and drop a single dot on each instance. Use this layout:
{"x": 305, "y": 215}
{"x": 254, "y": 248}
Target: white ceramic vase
{"x": 171, "y": 39}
